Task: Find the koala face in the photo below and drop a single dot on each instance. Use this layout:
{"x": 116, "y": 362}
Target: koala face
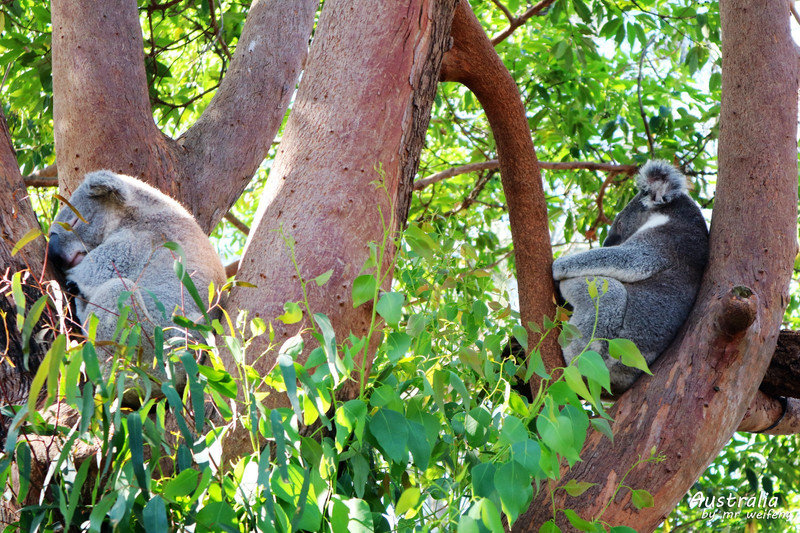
{"x": 71, "y": 236}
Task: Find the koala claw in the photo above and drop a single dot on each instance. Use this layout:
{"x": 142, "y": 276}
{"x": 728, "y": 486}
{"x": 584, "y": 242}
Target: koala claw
{"x": 72, "y": 288}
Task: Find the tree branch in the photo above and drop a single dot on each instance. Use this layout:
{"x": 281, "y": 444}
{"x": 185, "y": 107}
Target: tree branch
{"x": 232, "y": 137}
{"x": 772, "y": 416}
{"x": 473, "y": 62}
{"x": 639, "y": 95}
{"x": 516, "y": 22}
{"x": 494, "y": 164}
{"x": 238, "y": 224}
{"x": 99, "y": 72}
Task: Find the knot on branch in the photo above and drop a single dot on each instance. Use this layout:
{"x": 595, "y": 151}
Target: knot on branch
{"x": 739, "y": 308}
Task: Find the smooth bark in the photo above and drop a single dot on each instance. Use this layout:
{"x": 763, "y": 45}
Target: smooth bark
{"x": 702, "y": 386}
{"x": 473, "y": 62}
{"x": 358, "y": 121}
{"x": 98, "y": 72}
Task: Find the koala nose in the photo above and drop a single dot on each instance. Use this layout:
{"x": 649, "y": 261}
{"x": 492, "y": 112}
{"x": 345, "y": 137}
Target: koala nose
{"x": 613, "y": 239}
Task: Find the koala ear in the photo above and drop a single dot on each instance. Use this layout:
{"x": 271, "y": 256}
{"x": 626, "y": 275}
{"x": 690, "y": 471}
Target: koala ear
{"x": 660, "y": 183}
{"x": 104, "y": 184}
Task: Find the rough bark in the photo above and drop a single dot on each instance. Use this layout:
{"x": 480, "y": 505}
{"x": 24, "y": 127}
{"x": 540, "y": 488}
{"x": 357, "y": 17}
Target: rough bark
{"x": 783, "y": 374}
{"x": 98, "y": 72}
{"x": 702, "y": 386}
{"x": 773, "y": 416}
{"x": 359, "y": 117}
{"x": 473, "y": 62}
{"x": 16, "y": 220}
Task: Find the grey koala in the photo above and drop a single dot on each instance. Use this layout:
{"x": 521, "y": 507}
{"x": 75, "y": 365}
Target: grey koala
{"x": 120, "y": 248}
{"x": 653, "y": 259}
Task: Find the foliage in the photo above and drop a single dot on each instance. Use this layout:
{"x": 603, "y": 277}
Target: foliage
{"x": 438, "y": 437}
{"x": 439, "y": 434}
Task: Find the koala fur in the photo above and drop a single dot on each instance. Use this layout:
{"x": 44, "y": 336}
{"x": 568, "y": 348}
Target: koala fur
{"x": 121, "y": 249}
{"x": 653, "y": 259}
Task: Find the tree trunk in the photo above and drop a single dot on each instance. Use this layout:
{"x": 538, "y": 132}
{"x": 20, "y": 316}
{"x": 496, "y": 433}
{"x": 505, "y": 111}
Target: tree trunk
{"x": 359, "y": 119}
{"x": 98, "y": 72}
{"x": 702, "y": 386}
{"x": 16, "y": 220}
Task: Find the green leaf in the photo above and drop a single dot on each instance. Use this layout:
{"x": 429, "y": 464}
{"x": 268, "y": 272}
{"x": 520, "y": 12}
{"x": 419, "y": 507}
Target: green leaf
{"x": 521, "y": 334}
{"x": 99, "y": 512}
{"x": 364, "y": 287}
{"x": 397, "y": 345}
{"x": 349, "y": 515}
{"x": 483, "y": 480}
{"x": 407, "y": 502}
{"x": 48, "y": 370}
{"x": 293, "y": 313}
{"x": 154, "y": 514}
{"x": 27, "y": 327}
{"x": 627, "y": 352}
{"x": 528, "y": 453}
{"x": 136, "y": 443}
{"x": 390, "y": 430}
{"x": 513, "y": 431}
{"x": 642, "y": 499}
{"x": 573, "y": 378}
{"x": 558, "y": 435}
{"x": 28, "y": 237}
{"x": 350, "y": 418}
{"x": 514, "y": 487}
{"x": 323, "y": 278}
{"x": 603, "y": 427}
{"x": 219, "y": 380}
{"x": 416, "y": 324}
{"x": 419, "y": 445}
{"x": 477, "y": 425}
{"x": 579, "y": 523}
{"x": 576, "y": 488}
{"x": 335, "y": 366}
{"x": 420, "y": 242}
{"x": 591, "y": 365}
{"x": 215, "y": 516}
{"x": 390, "y": 307}
{"x": 491, "y": 517}
{"x": 549, "y": 527}
{"x": 181, "y": 485}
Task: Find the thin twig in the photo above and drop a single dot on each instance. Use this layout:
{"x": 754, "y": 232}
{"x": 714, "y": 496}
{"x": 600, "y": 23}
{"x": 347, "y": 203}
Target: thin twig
{"x": 509, "y": 15}
{"x": 238, "y": 224}
{"x": 519, "y": 21}
{"x": 639, "y": 92}
{"x": 493, "y": 164}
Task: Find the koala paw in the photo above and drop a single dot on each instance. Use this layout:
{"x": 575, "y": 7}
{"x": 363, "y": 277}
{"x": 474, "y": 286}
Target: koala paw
{"x": 72, "y": 288}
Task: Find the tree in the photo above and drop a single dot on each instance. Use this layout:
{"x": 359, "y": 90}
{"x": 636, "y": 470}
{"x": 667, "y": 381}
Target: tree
{"x": 355, "y": 133}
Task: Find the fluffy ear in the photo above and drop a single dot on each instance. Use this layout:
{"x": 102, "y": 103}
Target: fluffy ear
{"x": 104, "y": 184}
{"x": 660, "y": 182}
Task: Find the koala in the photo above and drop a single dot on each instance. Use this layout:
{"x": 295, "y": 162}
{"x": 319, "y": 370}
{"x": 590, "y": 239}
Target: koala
{"x": 117, "y": 246}
{"x": 653, "y": 260}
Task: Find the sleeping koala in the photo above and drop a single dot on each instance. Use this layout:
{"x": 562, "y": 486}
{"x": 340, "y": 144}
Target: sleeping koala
{"x": 118, "y": 246}
{"x": 653, "y": 259}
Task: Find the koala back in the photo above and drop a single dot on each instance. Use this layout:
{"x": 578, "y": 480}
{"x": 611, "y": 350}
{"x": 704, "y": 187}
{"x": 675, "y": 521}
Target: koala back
{"x": 662, "y": 217}
{"x": 653, "y": 259}
{"x": 120, "y": 233}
